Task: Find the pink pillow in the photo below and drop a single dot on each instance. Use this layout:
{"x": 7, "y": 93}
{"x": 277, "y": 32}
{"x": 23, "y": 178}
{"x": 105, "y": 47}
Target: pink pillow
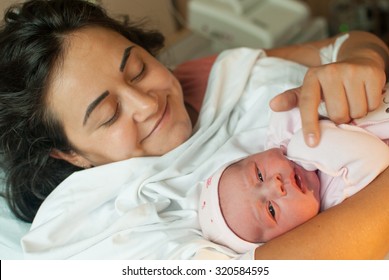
{"x": 193, "y": 77}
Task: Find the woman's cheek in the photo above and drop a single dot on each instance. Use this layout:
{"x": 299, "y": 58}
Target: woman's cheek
{"x": 121, "y": 142}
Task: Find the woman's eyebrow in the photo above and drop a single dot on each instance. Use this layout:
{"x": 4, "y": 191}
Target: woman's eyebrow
{"x": 126, "y": 54}
{"x": 93, "y": 105}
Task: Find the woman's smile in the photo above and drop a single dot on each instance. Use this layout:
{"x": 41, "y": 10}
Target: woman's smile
{"x": 140, "y": 113}
{"x": 162, "y": 118}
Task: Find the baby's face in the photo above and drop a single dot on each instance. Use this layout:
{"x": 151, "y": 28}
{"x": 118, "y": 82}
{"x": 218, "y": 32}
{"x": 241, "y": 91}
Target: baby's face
{"x": 265, "y": 194}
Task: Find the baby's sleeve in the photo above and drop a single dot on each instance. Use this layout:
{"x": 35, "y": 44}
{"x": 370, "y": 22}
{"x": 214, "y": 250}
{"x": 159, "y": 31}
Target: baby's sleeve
{"x": 349, "y": 154}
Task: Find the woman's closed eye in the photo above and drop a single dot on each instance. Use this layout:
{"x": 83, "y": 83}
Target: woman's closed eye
{"x": 140, "y": 75}
{"x": 114, "y": 117}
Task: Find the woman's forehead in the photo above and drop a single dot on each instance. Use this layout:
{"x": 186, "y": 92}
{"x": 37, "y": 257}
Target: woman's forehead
{"x": 91, "y": 56}
{"x": 88, "y": 53}
{"x": 95, "y": 38}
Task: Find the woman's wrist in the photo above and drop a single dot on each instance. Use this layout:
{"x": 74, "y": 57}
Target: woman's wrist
{"x": 363, "y": 45}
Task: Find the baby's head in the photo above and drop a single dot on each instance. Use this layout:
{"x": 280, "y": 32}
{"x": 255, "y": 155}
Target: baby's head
{"x": 256, "y": 199}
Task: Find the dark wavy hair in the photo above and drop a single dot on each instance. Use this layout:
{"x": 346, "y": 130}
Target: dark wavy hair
{"x": 32, "y": 39}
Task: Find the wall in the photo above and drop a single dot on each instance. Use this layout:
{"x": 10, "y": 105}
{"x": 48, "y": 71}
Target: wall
{"x": 160, "y": 16}
{"x": 5, "y": 4}
{"x": 318, "y": 7}
{"x": 157, "y": 12}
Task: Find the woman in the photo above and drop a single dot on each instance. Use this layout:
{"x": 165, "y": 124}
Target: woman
{"x": 81, "y": 91}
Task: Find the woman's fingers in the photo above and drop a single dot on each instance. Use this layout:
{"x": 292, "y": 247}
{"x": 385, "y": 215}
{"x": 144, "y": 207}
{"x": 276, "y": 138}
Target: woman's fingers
{"x": 348, "y": 92}
{"x": 357, "y": 100}
{"x": 374, "y": 89}
{"x": 335, "y": 98}
{"x": 308, "y": 102}
{"x": 285, "y": 101}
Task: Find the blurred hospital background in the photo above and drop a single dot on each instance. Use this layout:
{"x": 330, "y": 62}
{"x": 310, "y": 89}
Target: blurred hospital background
{"x": 196, "y": 28}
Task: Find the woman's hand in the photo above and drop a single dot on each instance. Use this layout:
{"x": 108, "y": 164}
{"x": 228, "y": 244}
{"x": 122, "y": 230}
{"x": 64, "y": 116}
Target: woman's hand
{"x": 350, "y": 89}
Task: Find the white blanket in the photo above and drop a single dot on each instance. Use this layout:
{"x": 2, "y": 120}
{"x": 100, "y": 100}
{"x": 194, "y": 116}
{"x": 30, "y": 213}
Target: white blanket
{"x": 146, "y": 208}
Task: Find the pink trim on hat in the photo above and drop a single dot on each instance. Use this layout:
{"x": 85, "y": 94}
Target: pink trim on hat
{"x": 212, "y": 222}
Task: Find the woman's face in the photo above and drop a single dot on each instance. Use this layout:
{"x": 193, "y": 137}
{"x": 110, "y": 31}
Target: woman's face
{"x": 115, "y": 100}
{"x": 265, "y": 195}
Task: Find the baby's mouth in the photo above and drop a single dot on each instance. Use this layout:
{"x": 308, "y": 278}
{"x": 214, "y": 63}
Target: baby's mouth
{"x": 299, "y": 183}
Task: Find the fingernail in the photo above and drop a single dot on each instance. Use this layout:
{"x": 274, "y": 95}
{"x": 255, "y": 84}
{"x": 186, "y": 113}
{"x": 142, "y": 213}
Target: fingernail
{"x": 311, "y": 140}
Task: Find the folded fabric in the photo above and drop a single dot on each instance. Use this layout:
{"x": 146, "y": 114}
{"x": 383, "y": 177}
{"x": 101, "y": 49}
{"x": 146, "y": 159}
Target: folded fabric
{"x": 146, "y": 208}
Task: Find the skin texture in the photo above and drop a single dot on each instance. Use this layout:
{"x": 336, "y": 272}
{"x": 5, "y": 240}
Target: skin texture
{"x": 358, "y": 228}
{"x": 351, "y": 87}
{"x": 137, "y": 100}
{"x": 270, "y": 193}
{"x": 345, "y": 231}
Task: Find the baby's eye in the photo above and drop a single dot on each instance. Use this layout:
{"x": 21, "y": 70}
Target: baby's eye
{"x": 271, "y": 209}
{"x": 259, "y": 174}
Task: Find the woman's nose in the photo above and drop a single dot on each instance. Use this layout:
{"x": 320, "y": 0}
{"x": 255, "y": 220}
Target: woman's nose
{"x": 142, "y": 104}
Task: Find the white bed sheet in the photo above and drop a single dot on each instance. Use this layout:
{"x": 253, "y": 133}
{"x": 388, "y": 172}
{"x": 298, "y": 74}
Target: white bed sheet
{"x": 12, "y": 230}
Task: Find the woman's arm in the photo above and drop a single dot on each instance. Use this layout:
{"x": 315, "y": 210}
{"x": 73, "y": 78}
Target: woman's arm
{"x": 358, "y": 228}
{"x": 351, "y": 86}
{"x": 359, "y": 43}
